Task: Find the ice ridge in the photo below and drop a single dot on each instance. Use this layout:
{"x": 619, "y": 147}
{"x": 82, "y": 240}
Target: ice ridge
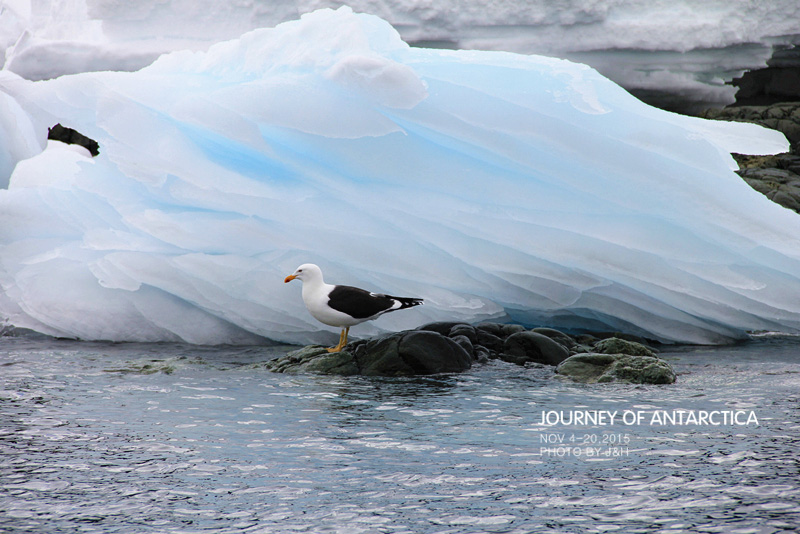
{"x": 490, "y": 184}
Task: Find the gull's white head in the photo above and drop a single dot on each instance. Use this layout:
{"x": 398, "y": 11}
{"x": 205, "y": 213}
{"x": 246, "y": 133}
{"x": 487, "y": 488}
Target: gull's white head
{"x": 305, "y": 273}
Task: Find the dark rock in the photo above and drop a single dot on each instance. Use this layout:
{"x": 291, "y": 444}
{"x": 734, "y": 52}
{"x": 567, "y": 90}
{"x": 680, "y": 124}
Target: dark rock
{"x": 586, "y": 339}
{"x": 496, "y": 329}
{"x": 73, "y": 137}
{"x": 558, "y": 336}
{"x": 615, "y": 345}
{"x": 414, "y": 352}
{"x": 779, "y": 81}
{"x": 381, "y": 356}
{"x": 481, "y": 354}
{"x": 511, "y": 329}
{"x": 315, "y": 359}
{"x": 593, "y": 367}
{"x": 524, "y": 347}
{"x": 780, "y": 185}
{"x": 490, "y": 342}
{"x": 465, "y": 343}
{"x": 428, "y": 353}
{"x": 452, "y": 347}
{"x": 443, "y": 327}
{"x": 463, "y": 330}
{"x": 500, "y": 330}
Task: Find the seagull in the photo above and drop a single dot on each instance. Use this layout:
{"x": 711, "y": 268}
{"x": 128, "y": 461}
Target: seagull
{"x": 343, "y": 306}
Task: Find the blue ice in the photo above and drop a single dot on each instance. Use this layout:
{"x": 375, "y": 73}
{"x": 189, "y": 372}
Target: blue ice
{"x": 493, "y": 185}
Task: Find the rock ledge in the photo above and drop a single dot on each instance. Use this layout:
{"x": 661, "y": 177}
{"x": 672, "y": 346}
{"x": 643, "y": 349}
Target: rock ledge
{"x": 454, "y": 347}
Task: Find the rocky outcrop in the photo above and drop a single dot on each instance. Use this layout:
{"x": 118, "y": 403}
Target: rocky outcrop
{"x": 409, "y": 353}
{"x": 525, "y": 347}
{"x": 618, "y": 360}
{"x": 454, "y": 347}
{"x": 615, "y": 345}
{"x": 777, "y": 177}
{"x": 778, "y": 82}
{"x": 596, "y": 367}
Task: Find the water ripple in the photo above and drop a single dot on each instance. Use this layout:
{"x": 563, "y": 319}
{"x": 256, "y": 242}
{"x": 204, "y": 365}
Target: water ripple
{"x": 92, "y": 441}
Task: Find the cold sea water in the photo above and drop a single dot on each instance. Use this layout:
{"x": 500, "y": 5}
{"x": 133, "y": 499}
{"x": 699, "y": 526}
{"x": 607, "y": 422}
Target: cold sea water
{"x": 152, "y": 438}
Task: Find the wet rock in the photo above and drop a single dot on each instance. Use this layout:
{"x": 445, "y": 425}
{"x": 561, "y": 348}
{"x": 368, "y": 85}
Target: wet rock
{"x": 496, "y": 329}
{"x": 559, "y": 337}
{"x": 524, "y": 347}
{"x": 315, "y": 359}
{"x": 511, "y": 329}
{"x": 601, "y": 368}
{"x": 462, "y": 329}
{"x": 409, "y": 353}
{"x": 428, "y": 353}
{"x": 442, "y": 328}
{"x": 615, "y": 345}
{"x": 446, "y": 347}
{"x": 491, "y": 342}
{"x": 586, "y": 339}
{"x": 481, "y": 354}
{"x": 465, "y": 343}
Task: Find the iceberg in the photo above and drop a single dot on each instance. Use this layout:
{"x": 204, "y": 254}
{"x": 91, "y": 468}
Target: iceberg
{"x": 491, "y": 184}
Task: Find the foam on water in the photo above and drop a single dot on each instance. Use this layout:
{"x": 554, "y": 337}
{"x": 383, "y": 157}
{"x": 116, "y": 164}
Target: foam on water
{"x": 487, "y": 183}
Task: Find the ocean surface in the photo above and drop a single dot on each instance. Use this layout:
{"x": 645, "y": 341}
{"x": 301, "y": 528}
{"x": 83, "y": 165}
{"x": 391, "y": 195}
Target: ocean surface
{"x": 170, "y": 438}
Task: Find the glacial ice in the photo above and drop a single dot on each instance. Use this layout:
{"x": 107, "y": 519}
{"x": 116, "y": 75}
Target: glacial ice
{"x": 490, "y": 184}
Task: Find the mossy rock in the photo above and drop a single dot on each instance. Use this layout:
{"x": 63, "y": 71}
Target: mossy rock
{"x": 632, "y": 369}
{"x": 615, "y": 345}
{"x": 315, "y": 359}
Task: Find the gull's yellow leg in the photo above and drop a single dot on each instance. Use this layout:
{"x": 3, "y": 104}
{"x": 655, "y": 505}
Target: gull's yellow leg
{"x": 342, "y": 341}
{"x": 338, "y": 347}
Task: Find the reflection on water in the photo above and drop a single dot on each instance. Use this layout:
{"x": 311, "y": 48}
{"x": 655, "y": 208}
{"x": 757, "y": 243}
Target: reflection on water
{"x": 173, "y": 438}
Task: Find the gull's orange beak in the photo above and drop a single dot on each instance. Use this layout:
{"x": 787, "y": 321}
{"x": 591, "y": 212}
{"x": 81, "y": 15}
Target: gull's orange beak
{"x": 289, "y": 278}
